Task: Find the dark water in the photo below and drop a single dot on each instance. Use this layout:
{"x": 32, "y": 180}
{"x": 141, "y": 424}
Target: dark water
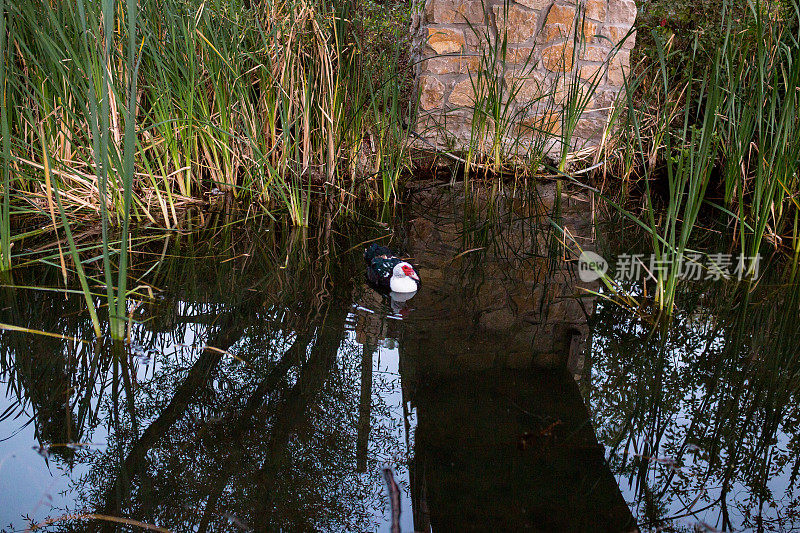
{"x": 266, "y": 387}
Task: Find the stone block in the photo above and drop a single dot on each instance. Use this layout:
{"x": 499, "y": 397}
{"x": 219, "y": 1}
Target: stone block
{"x": 616, "y": 34}
{"x": 522, "y": 55}
{"x": 528, "y": 87}
{"x": 463, "y": 94}
{"x": 445, "y": 40}
{"x": 560, "y": 14}
{"x": 619, "y": 67}
{"x": 621, "y": 12}
{"x": 518, "y": 23}
{"x": 431, "y": 93}
{"x": 594, "y": 53}
{"x": 562, "y": 89}
{"x": 476, "y": 39}
{"x": 589, "y": 30}
{"x": 441, "y": 65}
{"x": 535, "y": 4}
{"x": 561, "y": 22}
{"x": 547, "y": 123}
{"x": 604, "y": 99}
{"x": 596, "y": 9}
{"x": 455, "y": 12}
{"x": 428, "y": 126}
{"x": 555, "y": 32}
{"x": 469, "y": 64}
{"x": 558, "y": 57}
{"x": 591, "y": 73}
{"x": 450, "y": 65}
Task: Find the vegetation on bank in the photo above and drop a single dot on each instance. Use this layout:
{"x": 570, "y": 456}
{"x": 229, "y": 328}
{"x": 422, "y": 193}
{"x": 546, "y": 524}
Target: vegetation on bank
{"x": 126, "y": 114}
{"x": 712, "y": 131}
{"x": 129, "y": 113}
{"x": 175, "y": 100}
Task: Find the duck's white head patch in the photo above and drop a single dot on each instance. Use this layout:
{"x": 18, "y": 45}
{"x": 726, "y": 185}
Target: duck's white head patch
{"x": 404, "y": 269}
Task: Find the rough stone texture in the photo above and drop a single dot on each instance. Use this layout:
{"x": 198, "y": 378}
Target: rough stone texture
{"x": 622, "y": 12}
{"x": 596, "y": 9}
{"x": 560, "y": 20}
{"x": 552, "y": 45}
{"x": 535, "y": 4}
{"x": 518, "y": 23}
{"x": 619, "y": 67}
{"x": 591, "y": 73}
{"x": 595, "y": 54}
{"x": 451, "y": 65}
{"x": 528, "y": 87}
{"x": 431, "y": 93}
{"x": 545, "y": 123}
{"x": 445, "y": 41}
{"x": 616, "y": 34}
{"x": 455, "y": 12}
{"x": 559, "y": 57}
{"x": 463, "y": 94}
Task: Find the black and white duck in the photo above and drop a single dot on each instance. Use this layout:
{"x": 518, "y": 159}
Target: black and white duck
{"x": 389, "y": 272}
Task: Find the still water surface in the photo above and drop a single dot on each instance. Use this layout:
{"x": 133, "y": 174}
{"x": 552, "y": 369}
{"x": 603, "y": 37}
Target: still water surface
{"x": 266, "y": 387}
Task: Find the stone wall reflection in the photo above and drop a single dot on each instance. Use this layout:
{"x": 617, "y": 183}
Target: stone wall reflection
{"x": 504, "y": 441}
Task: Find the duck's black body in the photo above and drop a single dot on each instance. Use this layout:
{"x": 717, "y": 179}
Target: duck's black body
{"x": 380, "y": 266}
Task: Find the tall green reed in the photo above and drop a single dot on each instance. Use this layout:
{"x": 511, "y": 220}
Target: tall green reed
{"x": 253, "y": 102}
{"x": 72, "y": 80}
{"x": 494, "y": 106}
{"x": 388, "y": 135}
{"x": 126, "y": 113}
{"x": 575, "y": 91}
{"x": 128, "y": 171}
{"x": 5, "y": 202}
{"x": 761, "y": 127}
{"x": 115, "y": 293}
{"x": 723, "y": 113}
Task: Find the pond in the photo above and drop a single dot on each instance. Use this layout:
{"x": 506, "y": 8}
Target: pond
{"x": 267, "y": 387}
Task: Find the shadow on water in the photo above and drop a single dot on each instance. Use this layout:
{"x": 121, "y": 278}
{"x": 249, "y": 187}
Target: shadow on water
{"x": 265, "y": 387}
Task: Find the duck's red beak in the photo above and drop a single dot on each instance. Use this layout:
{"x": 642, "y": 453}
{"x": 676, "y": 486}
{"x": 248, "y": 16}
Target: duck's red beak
{"x": 408, "y": 271}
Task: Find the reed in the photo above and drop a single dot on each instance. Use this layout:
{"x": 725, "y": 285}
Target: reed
{"x": 138, "y": 112}
{"x": 262, "y": 104}
{"x": 388, "y": 138}
{"x": 761, "y": 129}
{"x": 128, "y": 113}
{"x": 494, "y": 108}
{"x": 5, "y": 201}
{"x": 699, "y": 122}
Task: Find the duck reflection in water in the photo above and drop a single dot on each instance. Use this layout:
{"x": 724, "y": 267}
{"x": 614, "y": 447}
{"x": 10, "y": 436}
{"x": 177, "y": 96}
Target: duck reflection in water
{"x": 401, "y": 302}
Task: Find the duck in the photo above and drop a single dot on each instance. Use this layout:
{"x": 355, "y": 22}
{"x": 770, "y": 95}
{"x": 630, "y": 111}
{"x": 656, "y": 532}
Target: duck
{"x": 388, "y": 272}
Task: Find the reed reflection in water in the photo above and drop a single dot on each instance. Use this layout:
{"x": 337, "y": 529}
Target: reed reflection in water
{"x": 265, "y": 387}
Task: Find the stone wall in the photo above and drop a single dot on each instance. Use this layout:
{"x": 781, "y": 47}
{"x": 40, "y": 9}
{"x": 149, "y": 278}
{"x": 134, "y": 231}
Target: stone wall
{"x": 558, "y": 54}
